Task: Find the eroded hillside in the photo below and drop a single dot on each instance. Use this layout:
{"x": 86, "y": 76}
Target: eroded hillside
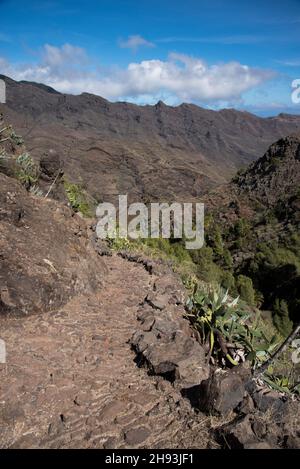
{"x": 150, "y": 152}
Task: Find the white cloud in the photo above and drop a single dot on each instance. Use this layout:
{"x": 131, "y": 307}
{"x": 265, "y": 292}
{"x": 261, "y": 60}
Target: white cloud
{"x": 191, "y": 79}
{"x": 289, "y": 63}
{"x": 63, "y": 56}
{"x": 134, "y": 42}
{"x": 177, "y": 79}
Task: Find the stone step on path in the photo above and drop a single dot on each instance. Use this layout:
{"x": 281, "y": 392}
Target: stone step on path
{"x": 71, "y": 381}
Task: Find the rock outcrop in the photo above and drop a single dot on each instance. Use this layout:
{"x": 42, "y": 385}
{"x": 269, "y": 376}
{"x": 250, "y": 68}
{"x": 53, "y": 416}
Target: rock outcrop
{"x": 46, "y": 256}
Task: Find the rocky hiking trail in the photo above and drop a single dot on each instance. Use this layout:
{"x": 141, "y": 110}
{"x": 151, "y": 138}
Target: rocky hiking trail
{"x": 99, "y": 354}
{"x": 71, "y": 380}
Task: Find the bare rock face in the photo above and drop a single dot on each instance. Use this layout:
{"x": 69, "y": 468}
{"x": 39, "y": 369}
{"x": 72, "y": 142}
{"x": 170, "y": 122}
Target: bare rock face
{"x": 251, "y": 431}
{"x": 239, "y": 434}
{"x": 46, "y": 256}
{"x": 51, "y": 175}
{"x": 265, "y": 401}
{"x": 172, "y": 355}
{"x": 265, "y": 419}
{"x": 222, "y": 392}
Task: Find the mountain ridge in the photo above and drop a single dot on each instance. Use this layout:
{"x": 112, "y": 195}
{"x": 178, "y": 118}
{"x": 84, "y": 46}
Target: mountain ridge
{"x": 150, "y": 152}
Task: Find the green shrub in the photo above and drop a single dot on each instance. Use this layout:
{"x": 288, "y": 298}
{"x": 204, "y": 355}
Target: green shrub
{"x": 227, "y": 259}
{"x": 119, "y": 244}
{"x": 78, "y": 198}
{"x": 245, "y": 289}
{"x": 217, "y": 242}
{"x": 227, "y": 281}
{"x": 241, "y": 228}
{"x": 281, "y": 317}
{"x": 275, "y": 271}
{"x": 207, "y": 269}
{"x": 26, "y": 170}
{"x": 270, "y": 217}
{"x": 171, "y": 248}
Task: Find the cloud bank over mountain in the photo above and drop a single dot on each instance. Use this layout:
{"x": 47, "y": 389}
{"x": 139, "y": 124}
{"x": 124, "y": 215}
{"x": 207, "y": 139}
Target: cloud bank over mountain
{"x": 178, "y": 78}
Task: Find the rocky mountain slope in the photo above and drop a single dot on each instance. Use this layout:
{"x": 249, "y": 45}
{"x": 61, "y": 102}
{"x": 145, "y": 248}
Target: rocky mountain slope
{"x": 156, "y": 152}
{"x": 270, "y": 183}
{"x": 63, "y": 264}
{"x": 257, "y": 220}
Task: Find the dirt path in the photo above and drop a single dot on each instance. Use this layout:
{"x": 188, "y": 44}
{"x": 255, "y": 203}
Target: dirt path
{"x": 71, "y": 381}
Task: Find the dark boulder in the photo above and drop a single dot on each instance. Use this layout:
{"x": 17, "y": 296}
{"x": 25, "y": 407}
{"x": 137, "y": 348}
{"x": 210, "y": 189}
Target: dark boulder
{"x": 51, "y": 165}
{"x": 221, "y": 393}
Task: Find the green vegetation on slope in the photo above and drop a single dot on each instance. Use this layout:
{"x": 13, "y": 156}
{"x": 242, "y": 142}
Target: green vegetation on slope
{"x": 79, "y": 199}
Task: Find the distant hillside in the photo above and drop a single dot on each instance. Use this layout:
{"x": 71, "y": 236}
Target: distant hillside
{"x": 275, "y": 177}
{"x": 272, "y": 183}
{"x": 157, "y": 152}
{"x": 253, "y": 231}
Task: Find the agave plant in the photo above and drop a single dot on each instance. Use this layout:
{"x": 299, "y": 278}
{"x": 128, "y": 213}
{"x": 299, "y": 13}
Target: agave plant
{"x": 35, "y": 190}
{"x": 280, "y": 384}
{"x": 17, "y": 139}
{"x": 27, "y": 170}
{"x": 229, "y": 332}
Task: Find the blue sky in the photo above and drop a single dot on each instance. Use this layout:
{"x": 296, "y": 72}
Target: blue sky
{"x": 218, "y": 53}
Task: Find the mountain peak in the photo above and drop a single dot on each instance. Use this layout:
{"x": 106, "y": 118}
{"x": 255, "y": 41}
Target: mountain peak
{"x": 276, "y": 175}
